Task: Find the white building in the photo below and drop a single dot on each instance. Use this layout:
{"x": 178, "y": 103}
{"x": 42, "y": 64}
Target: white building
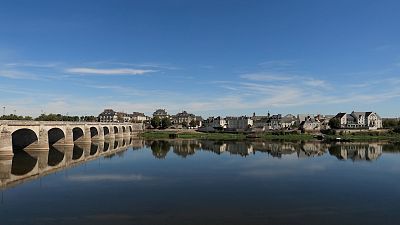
{"x": 360, "y": 120}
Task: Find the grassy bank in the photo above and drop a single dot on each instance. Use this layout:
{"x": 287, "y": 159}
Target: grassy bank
{"x": 268, "y": 136}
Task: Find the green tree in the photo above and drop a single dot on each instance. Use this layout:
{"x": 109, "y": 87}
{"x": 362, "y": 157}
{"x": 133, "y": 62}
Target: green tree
{"x": 334, "y": 123}
{"x": 155, "y": 122}
{"x": 165, "y": 122}
{"x": 193, "y": 123}
{"x": 184, "y": 124}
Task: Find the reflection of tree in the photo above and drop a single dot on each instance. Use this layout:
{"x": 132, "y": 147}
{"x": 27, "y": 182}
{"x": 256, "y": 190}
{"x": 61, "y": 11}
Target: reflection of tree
{"x": 160, "y": 148}
{"x": 336, "y": 150}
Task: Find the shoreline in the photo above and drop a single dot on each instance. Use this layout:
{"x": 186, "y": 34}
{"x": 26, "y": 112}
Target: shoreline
{"x": 192, "y": 134}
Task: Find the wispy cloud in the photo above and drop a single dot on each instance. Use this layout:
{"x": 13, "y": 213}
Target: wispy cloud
{"x": 266, "y": 76}
{"x": 14, "y": 74}
{"x": 118, "y": 71}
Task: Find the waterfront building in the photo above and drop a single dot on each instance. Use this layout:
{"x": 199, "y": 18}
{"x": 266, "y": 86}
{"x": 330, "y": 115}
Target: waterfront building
{"x": 360, "y": 120}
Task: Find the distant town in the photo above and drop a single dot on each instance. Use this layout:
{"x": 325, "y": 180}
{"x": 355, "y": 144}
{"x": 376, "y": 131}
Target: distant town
{"x": 161, "y": 119}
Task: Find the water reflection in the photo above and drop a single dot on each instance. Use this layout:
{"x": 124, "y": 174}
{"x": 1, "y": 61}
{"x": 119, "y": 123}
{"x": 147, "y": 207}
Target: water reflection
{"x": 34, "y": 163}
{"x": 343, "y": 151}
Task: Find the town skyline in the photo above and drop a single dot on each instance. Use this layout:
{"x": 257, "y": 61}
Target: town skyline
{"x": 76, "y": 58}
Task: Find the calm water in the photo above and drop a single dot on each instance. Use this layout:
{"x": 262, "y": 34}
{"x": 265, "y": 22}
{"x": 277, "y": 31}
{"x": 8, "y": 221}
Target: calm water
{"x": 204, "y": 182}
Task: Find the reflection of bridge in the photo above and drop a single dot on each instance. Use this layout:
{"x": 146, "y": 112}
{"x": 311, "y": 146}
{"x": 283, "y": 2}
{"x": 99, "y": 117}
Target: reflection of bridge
{"x": 27, "y": 166}
{"x": 30, "y": 148}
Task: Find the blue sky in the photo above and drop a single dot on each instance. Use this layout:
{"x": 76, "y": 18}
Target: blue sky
{"x": 207, "y": 57}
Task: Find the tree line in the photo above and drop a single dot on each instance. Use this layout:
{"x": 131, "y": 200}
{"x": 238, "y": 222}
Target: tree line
{"x": 50, "y": 117}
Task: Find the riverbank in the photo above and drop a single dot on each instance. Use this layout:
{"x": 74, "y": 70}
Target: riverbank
{"x": 192, "y": 134}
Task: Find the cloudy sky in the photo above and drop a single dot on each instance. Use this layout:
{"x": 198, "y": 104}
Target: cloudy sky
{"x": 207, "y": 57}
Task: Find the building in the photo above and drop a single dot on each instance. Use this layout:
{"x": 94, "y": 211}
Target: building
{"x": 310, "y": 124}
{"x": 138, "y": 117}
{"x": 183, "y": 118}
{"x": 238, "y": 123}
{"x": 360, "y": 120}
{"x": 274, "y": 122}
{"x": 161, "y": 113}
{"x": 213, "y": 123}
{"x": 108, "y": 115}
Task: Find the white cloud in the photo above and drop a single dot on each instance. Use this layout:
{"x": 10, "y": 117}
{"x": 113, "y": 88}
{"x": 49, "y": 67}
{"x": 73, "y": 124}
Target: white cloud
{"x": 118, "y": 71}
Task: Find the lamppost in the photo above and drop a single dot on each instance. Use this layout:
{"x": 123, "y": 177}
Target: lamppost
{"x": 4, "y": 110}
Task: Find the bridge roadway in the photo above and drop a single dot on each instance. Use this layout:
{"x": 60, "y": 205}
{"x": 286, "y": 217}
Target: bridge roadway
{"x": 36, "y": 137}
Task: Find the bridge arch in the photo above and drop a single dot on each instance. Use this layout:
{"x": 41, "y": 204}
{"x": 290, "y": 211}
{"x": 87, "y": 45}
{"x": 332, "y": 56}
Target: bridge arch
{"x": 77, "y": 133}
{"x": 123, "y": 129}
{"x": 130, "y": 129}
{"x": 116, "y": 130}
{"x": 23, "y": 138}
{"x": 106, "y": 130}
{"x": 56, "y": 136}
{"x": 94, "y": 132}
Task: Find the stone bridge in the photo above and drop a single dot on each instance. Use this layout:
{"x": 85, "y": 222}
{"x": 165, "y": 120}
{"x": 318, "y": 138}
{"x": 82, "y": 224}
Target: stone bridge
{"x": 35, "y": 137}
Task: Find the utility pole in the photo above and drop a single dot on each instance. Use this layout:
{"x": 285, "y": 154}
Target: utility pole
{"x": 4, "y": 110}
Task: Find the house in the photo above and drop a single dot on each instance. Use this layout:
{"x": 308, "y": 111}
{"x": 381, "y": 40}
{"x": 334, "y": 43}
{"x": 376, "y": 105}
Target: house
{"x": 108, "y": 115}
{"x": 161, "y": 113}
{"x": 238, "y": 123}
{"x": 213, "y": 123}
{"x": 360, "y": 120}
{"x": 183, "y": 118}
{"x": 138, "y": 117}
{"x": 310, "y": 124}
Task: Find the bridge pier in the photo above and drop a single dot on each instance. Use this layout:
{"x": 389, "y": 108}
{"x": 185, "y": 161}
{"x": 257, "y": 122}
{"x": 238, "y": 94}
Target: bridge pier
{"x": 6, "y": 149}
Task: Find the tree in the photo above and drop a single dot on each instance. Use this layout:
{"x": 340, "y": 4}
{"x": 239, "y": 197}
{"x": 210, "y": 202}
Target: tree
{"x": 184, "y": 124}
{"x": 165, "y": 122}
{"x": 334, "y": 123}
{"x": 155, "y": 122}
{"x": 193, "y": 123}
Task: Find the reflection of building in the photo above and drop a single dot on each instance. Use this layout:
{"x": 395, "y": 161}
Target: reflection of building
{"x": 240, "y": 148}
{"x": 185, "y": 148}
{"x": 356, "y": 152}
{"x": 214, "y": 146}
{"x": 311, "y": 149}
